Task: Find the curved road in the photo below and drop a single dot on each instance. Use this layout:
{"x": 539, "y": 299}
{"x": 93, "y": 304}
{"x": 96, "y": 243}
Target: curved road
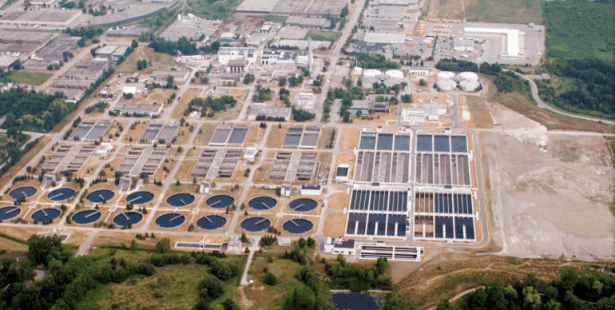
{"x": 545, "y": 106}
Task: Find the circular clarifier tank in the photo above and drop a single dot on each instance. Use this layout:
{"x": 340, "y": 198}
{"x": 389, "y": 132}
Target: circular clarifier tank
{"x": 303, "y": 205}
{"x": 139, "y": 198}
{"x": 262, "y": 203}
{"x": 22, "y": 192}
{"x": 47, "y": 214}
{"x": 7, "y": 213}
{"x": 180, "y": 200}
{"x": 124, "y": 218}
{"x": 255, "y": 224}
{"x": 86, "y": 217}
{"x": 297, "y": 226}
{"x": 170, "y": 220}
{"x": 61, "y": 194}
{"x": 211, "y": 222}
{"x": 220, "y": 201}
{"x": 100, "y": 196}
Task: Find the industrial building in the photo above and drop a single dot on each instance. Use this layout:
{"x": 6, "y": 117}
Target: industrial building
{"x": 462, "y": 45}
{"x": 387, "y": 38}
{"x": 308, "y": 22}
{"x": 153, "y": 110}
{"x": 269, "y": 112}
{"x": 386, "y": 24}
{"x": 337, "y": 246}
{"x": 303, "y": 44}
{"x": 191, "y": 27}
{"x": 430, "y": 111}
{"x": 512, "y": 50}
{"x": 293, "y": 7}
{"x": 178, "y": 75}
{"x": 227, "y": 53}
{"x": 386, "y": 12}
{"x": 395, "y": 3}
{"x": 366, "y": 105}
{"x": 420, "y": 71}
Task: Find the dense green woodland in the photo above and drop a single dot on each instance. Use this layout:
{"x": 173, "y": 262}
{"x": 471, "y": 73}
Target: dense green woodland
{"x": 31, "y": 111}
{"x": 69, "y": 279}
{"x": 591, "y": 86}
{"x": 573, "y": 291}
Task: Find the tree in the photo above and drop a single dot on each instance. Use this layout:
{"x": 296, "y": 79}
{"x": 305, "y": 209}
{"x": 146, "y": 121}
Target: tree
{"x": 134, "y": 44}
{"x": 170, "y": 79}
{"x": 359, "y": 82}
{"x": 422, "y": 82}
{"x": 531, "y": 298}
{"x": 269, "y": 279}
{"x": 359, "y": 113}
{"x": 282, "y": 81}
{"x": 133, "y": 245}
{"x": 344, "y": 12}
{"x": 210, "y": 288}
{"x": 348, "y": 83}
{"x": 163, "y": 246}
{"x": 42, "y": 250}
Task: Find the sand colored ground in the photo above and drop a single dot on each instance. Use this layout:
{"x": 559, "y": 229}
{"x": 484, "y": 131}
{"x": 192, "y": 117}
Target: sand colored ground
{"x": 113, "y": 238}
{"x": 254, "y": 136}
{"x": 12, "y": 246}
{"x": 156, "y": 95}
{"x": 185, "y": 168}
{"x": 379, "y": 118}
{"x": 480, "y": 117}
{"x": 115, "y": 129}
{"x": 276, "y": 136}
{"x": 350, "y": 138}
{"x": 204, "y": 135}
{"x": 20, "y": 233}
{"x": 339, "y": 200}
{"x": 335, "y": 225}
{"x": 136, "y": 133}
{"x": 261, "y": 175}
{"x": 169, "y": 163}
{"x": 76, "y": 237}
{"x": 183, "y": 134}
{"x": 325, "y": 137}
{"x": 347, "y": 158}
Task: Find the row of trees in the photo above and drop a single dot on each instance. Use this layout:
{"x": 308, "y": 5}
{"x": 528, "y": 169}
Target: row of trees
{"x": 183, "y": 45}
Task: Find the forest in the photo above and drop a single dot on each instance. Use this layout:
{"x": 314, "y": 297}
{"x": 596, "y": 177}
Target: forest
{"x": 31, "y": 111}
{"x": 574, "y": 290}
{"x": 183, "y": 45}
{"x": 210, "y": 105}
{"x": 373, "y": 61}
{"x": 69, "y": 280}
{"x": 589, "y": 86}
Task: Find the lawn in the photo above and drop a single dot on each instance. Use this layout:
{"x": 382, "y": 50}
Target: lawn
{"x": 323, "y": 35}
{"x": 213, "y": 9}
{"x": 492, "y": 11}
{"x": 579, "y": 29}
{"x": 275, "y": 18}
{"x": 178, "y": 284}
{"x": 31, "y": 77}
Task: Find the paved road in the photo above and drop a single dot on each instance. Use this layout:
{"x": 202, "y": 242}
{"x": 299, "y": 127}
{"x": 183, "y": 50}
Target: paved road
{"x": 545, "y": 106}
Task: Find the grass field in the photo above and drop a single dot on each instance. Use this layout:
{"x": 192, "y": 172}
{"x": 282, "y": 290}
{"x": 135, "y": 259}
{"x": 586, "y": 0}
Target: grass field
{"x": 579, "y": 29}
{"x": 275, "y": 18}
{"x": 521, "y": 104}
{"x": 213, "y": 9}
{"x": 178, "y": 284}
{"x": 30, "y": 77}
{"x": 323, "y": 35}
{"x": 492, "y": 11}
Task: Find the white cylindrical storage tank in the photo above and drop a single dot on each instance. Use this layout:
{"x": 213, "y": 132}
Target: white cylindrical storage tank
{"x": 446, "y": 85}
{"x": 371, "y": 72}
{"x": 397, "y": 74}
{"x": 468, "y": 85}
{"x": 468, "y": 76}
{"x": 445, "y": 75}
